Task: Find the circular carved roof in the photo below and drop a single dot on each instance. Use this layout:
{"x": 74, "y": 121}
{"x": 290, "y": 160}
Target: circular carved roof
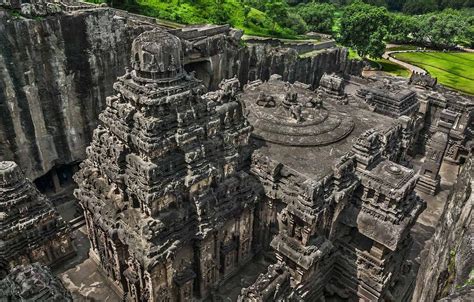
{"x": 157, "y": 55}
{"x": 9, "y": 173}
{"x": 294, "y": 116}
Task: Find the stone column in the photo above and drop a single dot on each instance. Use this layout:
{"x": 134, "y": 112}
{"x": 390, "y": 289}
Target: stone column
{"x": 57, "y": 184}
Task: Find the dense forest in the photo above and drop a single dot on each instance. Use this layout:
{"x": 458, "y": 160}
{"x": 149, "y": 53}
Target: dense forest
{"x": 364, "y": 25}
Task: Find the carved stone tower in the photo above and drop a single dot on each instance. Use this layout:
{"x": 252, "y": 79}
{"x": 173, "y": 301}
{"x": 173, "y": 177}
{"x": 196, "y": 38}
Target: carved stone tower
{"x": 30, "y": 228}
{"x": 169, "y": 209}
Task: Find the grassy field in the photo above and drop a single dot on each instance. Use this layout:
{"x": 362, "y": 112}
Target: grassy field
{"x": 453, "y": 69}
{"x": 393, "y": 69}
{"x": 386, "y": 65}
{"x": 401, "y": 47}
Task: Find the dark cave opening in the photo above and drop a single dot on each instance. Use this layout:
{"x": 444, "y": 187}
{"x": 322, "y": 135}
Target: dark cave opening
{"x": 58, "y": 178}
{"x": 203, "y": 71}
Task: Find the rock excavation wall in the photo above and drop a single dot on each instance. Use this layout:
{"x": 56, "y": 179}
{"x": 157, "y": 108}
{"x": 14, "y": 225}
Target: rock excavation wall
{"x": 56, "y": 71}
{"x": 448, "y": 263}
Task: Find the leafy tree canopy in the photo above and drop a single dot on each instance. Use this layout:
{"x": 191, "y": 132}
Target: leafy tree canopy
{"x": 318, "y": 16}
{"x": 364, "y": 28}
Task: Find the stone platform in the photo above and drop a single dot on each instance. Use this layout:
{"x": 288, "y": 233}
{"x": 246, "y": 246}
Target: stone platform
{"x": 81, "y": 275}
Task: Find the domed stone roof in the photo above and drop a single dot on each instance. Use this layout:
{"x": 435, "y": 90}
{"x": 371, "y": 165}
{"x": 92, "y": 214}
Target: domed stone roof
{"x": 157, "y": 55}
{"x": 9, "y": 173}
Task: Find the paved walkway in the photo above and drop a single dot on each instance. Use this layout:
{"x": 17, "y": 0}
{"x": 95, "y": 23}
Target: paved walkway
{"x": 388, "y": 56}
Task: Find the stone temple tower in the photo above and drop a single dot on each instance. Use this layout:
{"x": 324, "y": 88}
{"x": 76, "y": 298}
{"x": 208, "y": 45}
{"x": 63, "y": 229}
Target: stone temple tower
{"x": 169, "y": 209}
{"x": 31, "y": 230}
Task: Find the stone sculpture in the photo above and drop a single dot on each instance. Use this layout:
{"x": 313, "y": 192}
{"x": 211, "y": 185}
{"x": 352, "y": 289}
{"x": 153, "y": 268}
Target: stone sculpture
{"x": 179, "y": 193}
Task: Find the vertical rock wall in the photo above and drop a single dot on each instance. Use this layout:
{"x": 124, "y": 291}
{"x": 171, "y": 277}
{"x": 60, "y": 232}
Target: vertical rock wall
{"x": 55, "y": 73}
{"x": 446, "y": 267}
{"x": 261, "y": 61}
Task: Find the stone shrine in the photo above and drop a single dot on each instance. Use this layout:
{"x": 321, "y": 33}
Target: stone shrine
{"x": 276, "y": 193}
{"x": 33, "y": 282}
{"x": 31, "y": 230}
{"x": 336, "y": 213}
{"x": 389, "y": 99}
{"x": 168, "y": 205}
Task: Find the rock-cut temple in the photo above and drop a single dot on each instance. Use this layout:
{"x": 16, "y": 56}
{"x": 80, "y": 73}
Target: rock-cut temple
{"x": 181, "y": 187}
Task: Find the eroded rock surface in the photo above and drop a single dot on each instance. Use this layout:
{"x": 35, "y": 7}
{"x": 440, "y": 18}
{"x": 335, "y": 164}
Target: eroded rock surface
{"x": 30, "y": 228}
{"x": 447, "y": 265}
{"x": 55, "y": 74}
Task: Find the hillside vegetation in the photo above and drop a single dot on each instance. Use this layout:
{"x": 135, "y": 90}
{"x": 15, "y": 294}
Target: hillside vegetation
{"x": 271, "y": 20}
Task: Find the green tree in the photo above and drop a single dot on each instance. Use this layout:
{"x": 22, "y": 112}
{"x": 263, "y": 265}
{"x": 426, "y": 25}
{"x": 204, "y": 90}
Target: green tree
{"x": 457, "y": 4}
{"x": 276, "y": 10}
{"x": 319, "y": 17}
{"x": 295, "y": 23}
{"x": 376, "y": 2}
{"x": 443, "y": 30}
{"x": 401, "y": 28}
{"x": 130, "y": 5}
{"x": 417, "y": 7}
{"x": 364, "y": 28}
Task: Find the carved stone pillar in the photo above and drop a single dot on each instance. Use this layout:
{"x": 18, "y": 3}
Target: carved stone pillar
{"x": 56, "y": 183}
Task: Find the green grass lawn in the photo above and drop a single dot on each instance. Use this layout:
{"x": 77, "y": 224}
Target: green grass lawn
{"x": 386, "y": 65}
{"x": 453, "y": 69}
{"x": 393, "y": 69}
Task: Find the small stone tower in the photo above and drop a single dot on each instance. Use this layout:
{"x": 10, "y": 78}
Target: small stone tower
{"x": 30, "y": 228}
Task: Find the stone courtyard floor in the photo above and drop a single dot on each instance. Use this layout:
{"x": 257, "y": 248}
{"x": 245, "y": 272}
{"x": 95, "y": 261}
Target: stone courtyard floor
{"x": 230, "y": 290}
{"x": 81, "y": 276}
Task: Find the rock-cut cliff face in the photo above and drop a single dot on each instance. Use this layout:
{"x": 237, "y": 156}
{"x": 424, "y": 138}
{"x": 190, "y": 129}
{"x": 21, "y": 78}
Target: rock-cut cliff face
{"x": 447, "y": 267}
{"x": 55, "y": 73}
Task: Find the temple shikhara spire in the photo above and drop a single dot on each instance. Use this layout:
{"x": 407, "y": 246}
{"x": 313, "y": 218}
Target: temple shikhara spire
{"x": 169, "y": 209}
{"x": 31, "y": 229}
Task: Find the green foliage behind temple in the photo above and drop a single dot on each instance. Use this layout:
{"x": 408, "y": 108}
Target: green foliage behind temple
{"x": 266, "y": 18}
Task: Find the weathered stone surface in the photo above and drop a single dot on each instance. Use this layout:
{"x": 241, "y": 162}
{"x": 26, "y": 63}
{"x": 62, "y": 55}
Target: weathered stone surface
{"x": 168, "y": 207}
{"x": 447, "y": 265}
{"x": 343, "y": 210}
{"x": 54, "y": 76}
{"x": 171, "y": 206}
{"x": 30, "y": 228}
{"x": 33, "y": 282}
